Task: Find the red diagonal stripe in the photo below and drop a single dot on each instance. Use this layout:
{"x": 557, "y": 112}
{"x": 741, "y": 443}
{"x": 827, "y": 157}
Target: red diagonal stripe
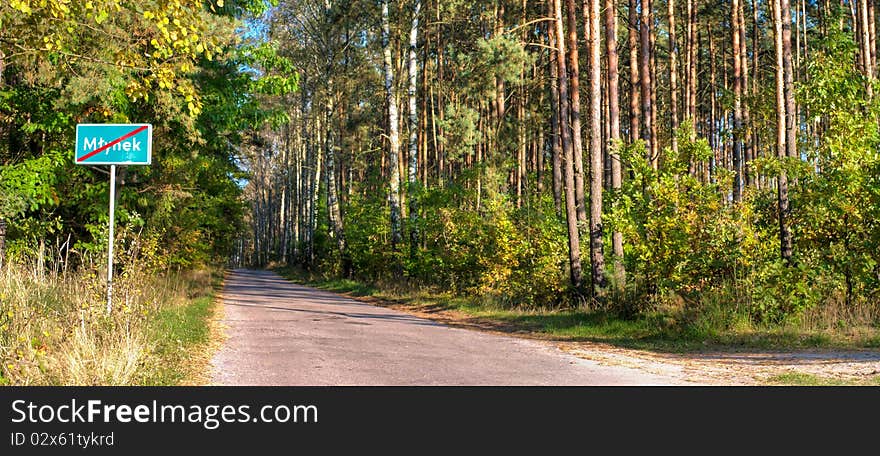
{"x": 111, "y": 144}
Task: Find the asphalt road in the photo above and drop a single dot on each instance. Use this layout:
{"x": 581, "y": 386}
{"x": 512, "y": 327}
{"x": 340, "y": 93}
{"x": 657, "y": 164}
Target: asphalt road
{"x": 280, "y": 333}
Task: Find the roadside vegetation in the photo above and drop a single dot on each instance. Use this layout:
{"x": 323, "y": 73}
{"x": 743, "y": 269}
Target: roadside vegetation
{"x": 189, "y": 68}
{"x": 54, "y": 329}
{"x": 672, "y": 329}
{"x": 804, "y": 379}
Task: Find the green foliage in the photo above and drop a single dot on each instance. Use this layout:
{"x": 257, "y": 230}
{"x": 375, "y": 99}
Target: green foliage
{"x": 367, "y": 234}
{"x": 30, "y": 185}
{"x": 278, "y": 74}
{"x": 836, "y": 207}
{"x": 529, "y": 272}
{"x": 512, "y": 256}
{"x": 686, "y": 241}
{"x": 500, "y": 56}
{"x": 691, "y": 253}
{"x": 664, "y": 213}
{"x": 459, "y": 126}
{"x": 185, "y": 74}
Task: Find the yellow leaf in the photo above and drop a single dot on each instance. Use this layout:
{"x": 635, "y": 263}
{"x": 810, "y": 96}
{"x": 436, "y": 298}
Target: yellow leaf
{"x": 220, "y": 3}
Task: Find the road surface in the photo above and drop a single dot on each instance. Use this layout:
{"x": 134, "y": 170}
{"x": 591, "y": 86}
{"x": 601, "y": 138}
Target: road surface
{"x": 280, "y": 333}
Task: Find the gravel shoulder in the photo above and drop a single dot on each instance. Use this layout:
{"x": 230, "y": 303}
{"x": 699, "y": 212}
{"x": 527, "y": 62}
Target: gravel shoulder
{"x": 716, "y": 367}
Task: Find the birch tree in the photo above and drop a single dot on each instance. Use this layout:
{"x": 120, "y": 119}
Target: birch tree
{"x": 393, "y": 131}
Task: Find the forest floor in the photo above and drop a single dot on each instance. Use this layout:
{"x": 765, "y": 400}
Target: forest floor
{"x": 715, "y": 364}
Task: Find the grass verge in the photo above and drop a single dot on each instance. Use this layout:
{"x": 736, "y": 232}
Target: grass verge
{"x": 54, "y": 329}
{"x": 181, "y": 336}
{"x": 657, "y": 331}
{"x": 806, "y": 379}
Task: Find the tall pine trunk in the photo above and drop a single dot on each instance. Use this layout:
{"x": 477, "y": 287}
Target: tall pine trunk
{"x": 781, "y": 150}
{"x": 652, "y": 45}
{"x": 645, "y": 80}
{"x": 691, "y": 76}
{"x": 500, "y": 91}
{"x": 313, "y": 194}
{"x": 692, "y": 47}
{"x": 337, "y": 225}
{"x": 614, "y": 134}
{"x": 713, "y": 105}
{"x": 872, "y": 37}
{"x": 790, "y": 108}
{"x": 574, "y": 246}
{"x": 748, "y": 149}
{"x": 865, "y": 30}
{"x": 635, "y": 109}
{"x": 737, "y": 103}
{"x": 575, "y": 106}
{"x": 556, "y": 132}
{"x": 673, "y": 75}
{"x": 597, "y": 255}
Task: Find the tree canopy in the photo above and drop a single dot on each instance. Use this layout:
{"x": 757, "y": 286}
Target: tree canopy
{"x": 614, "y": 155}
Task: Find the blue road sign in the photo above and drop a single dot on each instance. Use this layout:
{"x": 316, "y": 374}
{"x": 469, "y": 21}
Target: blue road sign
{"x": 113, "y": 144}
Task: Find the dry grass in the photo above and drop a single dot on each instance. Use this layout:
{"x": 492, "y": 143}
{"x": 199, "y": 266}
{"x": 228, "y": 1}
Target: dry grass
{"x": 90, "y": 360}
{"x": 54, "y": 329}
{"x": 838, "y": 314}
{"x": 199, "y": 372}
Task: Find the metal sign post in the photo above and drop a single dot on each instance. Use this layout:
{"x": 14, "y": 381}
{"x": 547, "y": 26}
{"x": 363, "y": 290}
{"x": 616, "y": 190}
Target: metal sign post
{"x": 110, "y": 239}
{"x": 113, "y": 144}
